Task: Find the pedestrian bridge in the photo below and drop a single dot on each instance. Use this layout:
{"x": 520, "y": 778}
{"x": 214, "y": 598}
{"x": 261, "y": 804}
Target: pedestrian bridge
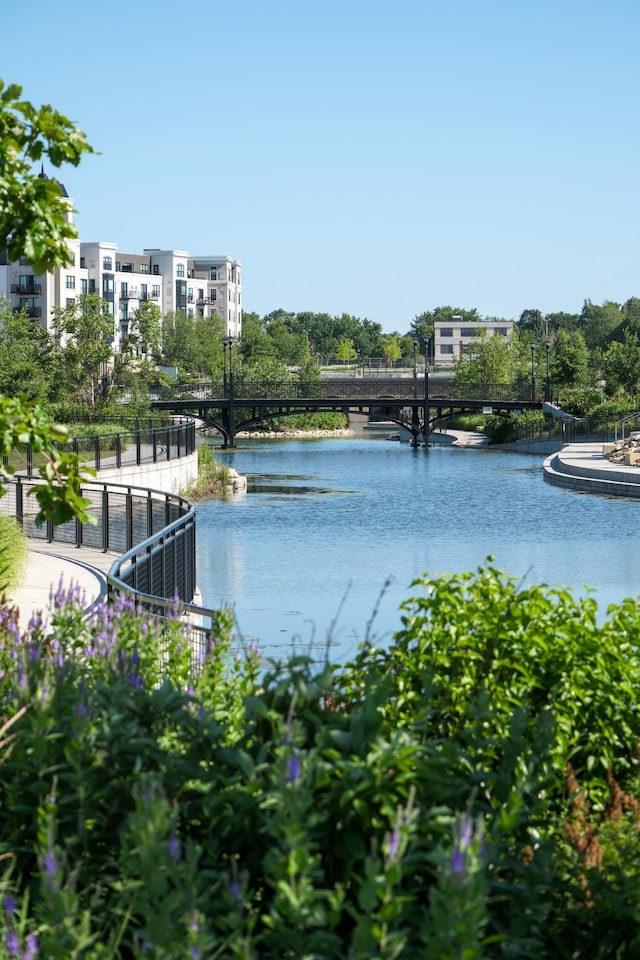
{"x": 415, "y": 404}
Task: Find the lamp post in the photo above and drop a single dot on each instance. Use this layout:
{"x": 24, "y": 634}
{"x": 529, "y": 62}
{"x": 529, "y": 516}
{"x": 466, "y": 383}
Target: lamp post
{"x": 227, "y": 344}
{"x": 533, "y": 371}
{"x": 427, "y": 355}
{"x": 547, "y": 384}
{"x": 415, "y": 368}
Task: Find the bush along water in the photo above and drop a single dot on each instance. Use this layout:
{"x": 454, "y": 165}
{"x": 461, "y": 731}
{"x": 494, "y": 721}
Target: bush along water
{"x": 470, "y": 791}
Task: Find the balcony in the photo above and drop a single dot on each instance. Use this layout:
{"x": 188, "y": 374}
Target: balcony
{"x": 34, "y": 311}
{"x": 130, "y": 294}
{"x": 26, "y": 289}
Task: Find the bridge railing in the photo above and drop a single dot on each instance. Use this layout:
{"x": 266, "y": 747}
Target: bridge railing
{"x": 133, "y": 444}
{"x": 439, "y": 388}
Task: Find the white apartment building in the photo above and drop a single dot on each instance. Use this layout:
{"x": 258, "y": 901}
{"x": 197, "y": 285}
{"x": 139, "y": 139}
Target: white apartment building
{"x": 172, "y": 279}
{"x": 450, "y": 337}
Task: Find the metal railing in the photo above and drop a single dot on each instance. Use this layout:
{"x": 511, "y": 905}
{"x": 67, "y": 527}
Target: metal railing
{"x": 153, "y": 532}
{"x": 439, "y": 388}
{"x": 153, "y": 443}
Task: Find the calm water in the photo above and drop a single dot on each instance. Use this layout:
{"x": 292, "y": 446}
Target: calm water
{"x": 333, "y": 531}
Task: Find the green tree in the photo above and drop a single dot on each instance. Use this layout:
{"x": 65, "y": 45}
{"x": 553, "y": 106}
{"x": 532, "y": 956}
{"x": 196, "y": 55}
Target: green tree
{"x": 209, "y": 332}
{"x": 490, "y": 359}
{"x": 85, "y": 342}
{"x": 34, "y": 214}
{"x": 569, "y": 360}
{"x": 345, "y": 351}
{"x": 621, "y": 366}
{"x": 179, "y": 346}
{"x": 145, "y": 328}
{"x": 600, "y": 323}
{"x": 391, "y": 349}
{"x": 255, "y": 341}
{"x": 27, "y": 363}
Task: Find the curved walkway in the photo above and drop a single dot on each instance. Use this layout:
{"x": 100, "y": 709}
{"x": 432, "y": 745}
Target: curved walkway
{"x": 49, "y": 565}
{"x": 582, "y": 467}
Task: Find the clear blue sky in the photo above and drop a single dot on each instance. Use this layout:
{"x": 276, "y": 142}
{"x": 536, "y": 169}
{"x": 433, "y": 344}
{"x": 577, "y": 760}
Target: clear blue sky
{"x": 373, "y": 158}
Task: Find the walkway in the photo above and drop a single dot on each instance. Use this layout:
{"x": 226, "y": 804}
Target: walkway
{"x": 48, "y": 564}
{"x": 582, "y": 467}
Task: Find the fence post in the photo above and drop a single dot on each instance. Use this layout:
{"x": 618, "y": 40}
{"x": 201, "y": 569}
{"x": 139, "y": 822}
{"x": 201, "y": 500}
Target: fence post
{"x": 105, "y": 520}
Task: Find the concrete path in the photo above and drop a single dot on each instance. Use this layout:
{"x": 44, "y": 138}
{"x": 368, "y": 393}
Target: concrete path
{"x": 50, "y": 563}
{"x": 583, "y": 467}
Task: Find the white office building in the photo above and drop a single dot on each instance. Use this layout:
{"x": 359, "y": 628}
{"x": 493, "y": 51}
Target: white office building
{"x": 171, "y": 279}
{"x": 451, "y": 337}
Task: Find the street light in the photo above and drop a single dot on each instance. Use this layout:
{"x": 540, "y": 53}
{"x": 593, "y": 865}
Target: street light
{"x": 427, "y": 354}
{"x": 533, "y": 370}
{"x": 415, "y": 368}
{"x": 547, "y": 384}
{"x": 227, "y": 343}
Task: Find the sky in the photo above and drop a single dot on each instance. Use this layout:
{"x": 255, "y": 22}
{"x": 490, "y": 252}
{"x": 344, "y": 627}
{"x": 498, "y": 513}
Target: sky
{"x": 356, "y": 156}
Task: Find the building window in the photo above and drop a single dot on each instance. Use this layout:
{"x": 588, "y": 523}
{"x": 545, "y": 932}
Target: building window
{"x": 213, "y": 295}
{"x": 446, "y": 331}
{"x": 472, "y": 332}
{"x": 446, "y": 349}
{"x": 124, "y": 290}
{"x": 213, "y": 273}
{"x": 70, "y": 302}
{"x": 83, "y": 287}
{"x": 155, "y": 291}
{"x": 71, "y": 282}
{"x": 144, "y": 268}
{"x": 124, "y": 310}
{"x": 180, "y": 270}
{"x": 106, "y": 263}
{"x": 117, "y": 266}
{"x": 83, "y": 263}
{"x": 501, "y": 332}
{"x": 144, "y": 295}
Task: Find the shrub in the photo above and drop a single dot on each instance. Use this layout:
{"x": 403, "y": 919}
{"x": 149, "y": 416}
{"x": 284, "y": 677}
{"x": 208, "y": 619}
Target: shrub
{"x": 416, "y": 801}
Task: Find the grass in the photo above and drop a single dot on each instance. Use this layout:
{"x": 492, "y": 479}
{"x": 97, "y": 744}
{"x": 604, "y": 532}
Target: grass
{"x": 13, "y": 553}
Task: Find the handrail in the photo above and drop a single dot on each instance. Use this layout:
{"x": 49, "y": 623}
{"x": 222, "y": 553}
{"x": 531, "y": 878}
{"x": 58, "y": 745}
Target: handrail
{"x": 151, "y": 444}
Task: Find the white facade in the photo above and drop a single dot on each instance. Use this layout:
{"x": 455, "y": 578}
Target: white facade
{"x": 451, "y": 337}
{"x": 172, "y": 279}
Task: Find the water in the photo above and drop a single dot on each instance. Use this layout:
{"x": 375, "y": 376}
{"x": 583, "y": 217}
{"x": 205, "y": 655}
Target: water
{"x": 332, "y": 532}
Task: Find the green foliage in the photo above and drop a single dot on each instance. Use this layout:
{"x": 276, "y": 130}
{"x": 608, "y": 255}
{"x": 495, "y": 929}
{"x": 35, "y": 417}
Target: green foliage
{"x": 34, "y": 220}
{"x": 13, "y": 553}
{"x": 85, "y": 332}
{"x": 490, "y": 359}
{"x": 28, "y": 365}
{"x": 417, "y": 801}
{"x": 59, "y": 496}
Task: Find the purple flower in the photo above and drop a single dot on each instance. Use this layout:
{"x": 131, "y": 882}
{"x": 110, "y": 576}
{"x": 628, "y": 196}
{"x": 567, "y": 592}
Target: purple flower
{"x": 293, "y": 774}
{"x": 50, "y": 863}
{"x": 12, "y": 943}
{"x": 174, "y": 847}
{"x": 30, "y": 947}
{"x": 466, "y": 832}
{"x": 457, "y": 862}
{"x": 394, "y": 843}
{"x": 235, "y": 890}
{"x": 10, "y": 905}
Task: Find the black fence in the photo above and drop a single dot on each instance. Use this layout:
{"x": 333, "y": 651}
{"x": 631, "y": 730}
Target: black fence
{"x": 153, "y": 531}
{"x": 132, "y": 444}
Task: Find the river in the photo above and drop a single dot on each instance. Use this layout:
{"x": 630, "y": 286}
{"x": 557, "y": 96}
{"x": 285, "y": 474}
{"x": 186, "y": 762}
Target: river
{"x": 331, "y": 533}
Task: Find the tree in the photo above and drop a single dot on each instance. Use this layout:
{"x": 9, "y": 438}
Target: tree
{"x": 85, "y": 336}
{"x": 27, "y": 362}
{"x": 621, "y": 366}
{"x": 209, "y": 332}
{"x": 599, "y": 323}
{"x": 179, "y": 347}
{"x": 145, "y": 328}
{"x": 345, "y": 350}
{"x": 34, "y": 212}
{"x": 490, "y": 359}
{"x": 569, "y": 360}
{"x": 391, "y": 349}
